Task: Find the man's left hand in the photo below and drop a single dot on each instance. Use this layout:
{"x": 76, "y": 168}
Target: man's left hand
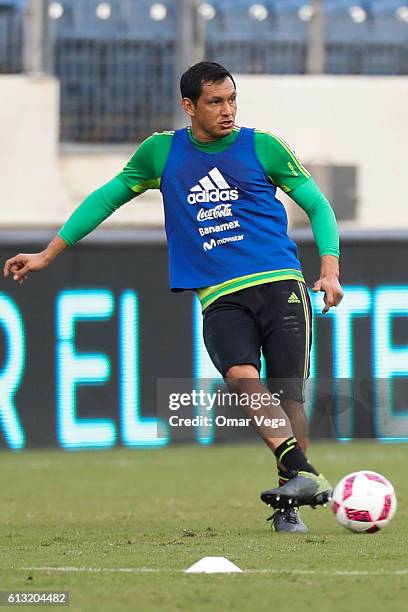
{"x": 329, "y": 283}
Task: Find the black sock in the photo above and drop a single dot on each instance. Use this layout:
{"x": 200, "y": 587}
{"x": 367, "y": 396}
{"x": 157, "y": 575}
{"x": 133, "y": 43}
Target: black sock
{"x": 290, "y": 455}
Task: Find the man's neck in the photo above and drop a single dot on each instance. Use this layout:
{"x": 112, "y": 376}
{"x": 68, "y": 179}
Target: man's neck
{"x": 199, "y": 140}
{"x": 200, "y": 136}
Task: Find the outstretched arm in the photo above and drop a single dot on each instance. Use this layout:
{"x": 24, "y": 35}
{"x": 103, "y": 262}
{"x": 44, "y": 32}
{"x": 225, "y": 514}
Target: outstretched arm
{"x": 324, "y": 226}
{"x": 92, "y": 212}
{"x": 139, "y": 174}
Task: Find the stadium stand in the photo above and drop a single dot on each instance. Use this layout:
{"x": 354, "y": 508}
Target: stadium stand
{"x": 106, "y": 52}
{"x": 11, "y": 23}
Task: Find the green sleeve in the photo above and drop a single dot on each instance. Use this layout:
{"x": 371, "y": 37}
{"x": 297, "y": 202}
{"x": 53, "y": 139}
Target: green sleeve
{"x": 280, "y": 163}
{"x": 97, "y": 207}
{"x": 317, "y": 207}
{"x": 144, "y": 169}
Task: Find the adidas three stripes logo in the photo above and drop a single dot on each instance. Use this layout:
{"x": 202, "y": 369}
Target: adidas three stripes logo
{"x": 212, "y": 188}
{"x": 293, "y": 298}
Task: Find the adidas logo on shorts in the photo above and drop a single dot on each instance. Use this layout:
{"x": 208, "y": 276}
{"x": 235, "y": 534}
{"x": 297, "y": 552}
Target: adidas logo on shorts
{"x": 212, "y": 188}
{"x": 293, "y": 298}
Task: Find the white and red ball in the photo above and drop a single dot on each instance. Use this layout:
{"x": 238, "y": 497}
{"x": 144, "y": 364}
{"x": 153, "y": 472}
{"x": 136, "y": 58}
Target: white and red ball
{"x": 364, "y": 501}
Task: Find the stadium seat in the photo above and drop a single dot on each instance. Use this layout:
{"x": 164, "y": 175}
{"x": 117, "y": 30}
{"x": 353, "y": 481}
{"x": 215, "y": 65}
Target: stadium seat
{"x": 104, "y": 61}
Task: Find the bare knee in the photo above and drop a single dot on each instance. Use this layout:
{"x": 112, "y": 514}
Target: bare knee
{"x": 238, "y": 375}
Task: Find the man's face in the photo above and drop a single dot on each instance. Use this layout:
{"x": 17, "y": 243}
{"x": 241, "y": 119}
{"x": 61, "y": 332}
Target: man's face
{"x": 214, "y": 112}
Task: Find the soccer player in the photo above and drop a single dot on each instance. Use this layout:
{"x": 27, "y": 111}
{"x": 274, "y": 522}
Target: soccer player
{"x": 227, "y": 240}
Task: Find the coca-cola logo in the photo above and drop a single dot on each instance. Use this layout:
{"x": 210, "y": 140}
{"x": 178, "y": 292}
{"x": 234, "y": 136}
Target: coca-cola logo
{"x": 222, "y": 210}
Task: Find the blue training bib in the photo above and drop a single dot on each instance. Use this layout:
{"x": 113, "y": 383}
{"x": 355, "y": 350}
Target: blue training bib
{"x": 222, "y": 217}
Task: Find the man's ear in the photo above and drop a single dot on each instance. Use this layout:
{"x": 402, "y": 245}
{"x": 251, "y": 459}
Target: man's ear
{"x": 188, "y": 106}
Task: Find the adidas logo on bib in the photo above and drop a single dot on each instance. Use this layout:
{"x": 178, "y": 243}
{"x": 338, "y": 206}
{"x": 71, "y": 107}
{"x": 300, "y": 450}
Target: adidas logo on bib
{"x": 293, "y": 298}
{"x": 212, "y": 188}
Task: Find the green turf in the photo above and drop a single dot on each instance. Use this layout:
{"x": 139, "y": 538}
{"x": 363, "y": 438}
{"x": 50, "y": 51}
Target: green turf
{"x": 166, "y": 509}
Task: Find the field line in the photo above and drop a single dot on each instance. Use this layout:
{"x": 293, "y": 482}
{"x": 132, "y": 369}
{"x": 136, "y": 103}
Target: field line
{"x": 148, "y": 570}
{"x": 123, "y": 570}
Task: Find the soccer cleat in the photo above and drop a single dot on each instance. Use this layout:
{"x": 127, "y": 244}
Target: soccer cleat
{"x": 287, "y": 520}
{"x": 304, "y": 489}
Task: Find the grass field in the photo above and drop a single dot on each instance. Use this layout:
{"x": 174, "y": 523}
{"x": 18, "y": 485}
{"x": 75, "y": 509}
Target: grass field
{"x": 89, "y": 522}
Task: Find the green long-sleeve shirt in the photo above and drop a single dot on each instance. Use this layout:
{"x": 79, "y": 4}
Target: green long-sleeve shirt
{"x": 144, "y": 171}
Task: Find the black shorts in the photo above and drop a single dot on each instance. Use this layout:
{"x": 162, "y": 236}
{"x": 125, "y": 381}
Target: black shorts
{"x": 274, "y": 318}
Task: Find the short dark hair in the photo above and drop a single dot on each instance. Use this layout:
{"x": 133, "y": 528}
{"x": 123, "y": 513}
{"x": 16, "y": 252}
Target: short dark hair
{"x": 193, "y": 79}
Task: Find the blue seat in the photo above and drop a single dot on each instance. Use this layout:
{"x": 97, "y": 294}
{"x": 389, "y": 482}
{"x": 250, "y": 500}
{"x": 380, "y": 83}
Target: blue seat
{"x": 128, "y": 19}
{"x": 11, "y": 36}
{"x": 104, "y": 65}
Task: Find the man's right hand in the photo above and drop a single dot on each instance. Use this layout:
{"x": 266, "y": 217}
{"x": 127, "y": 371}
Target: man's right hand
{"x": 23, "y": 263}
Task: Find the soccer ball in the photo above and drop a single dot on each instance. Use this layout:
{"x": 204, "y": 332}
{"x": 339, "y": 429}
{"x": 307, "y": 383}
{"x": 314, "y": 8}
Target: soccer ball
{"x": 364, "y": 502}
